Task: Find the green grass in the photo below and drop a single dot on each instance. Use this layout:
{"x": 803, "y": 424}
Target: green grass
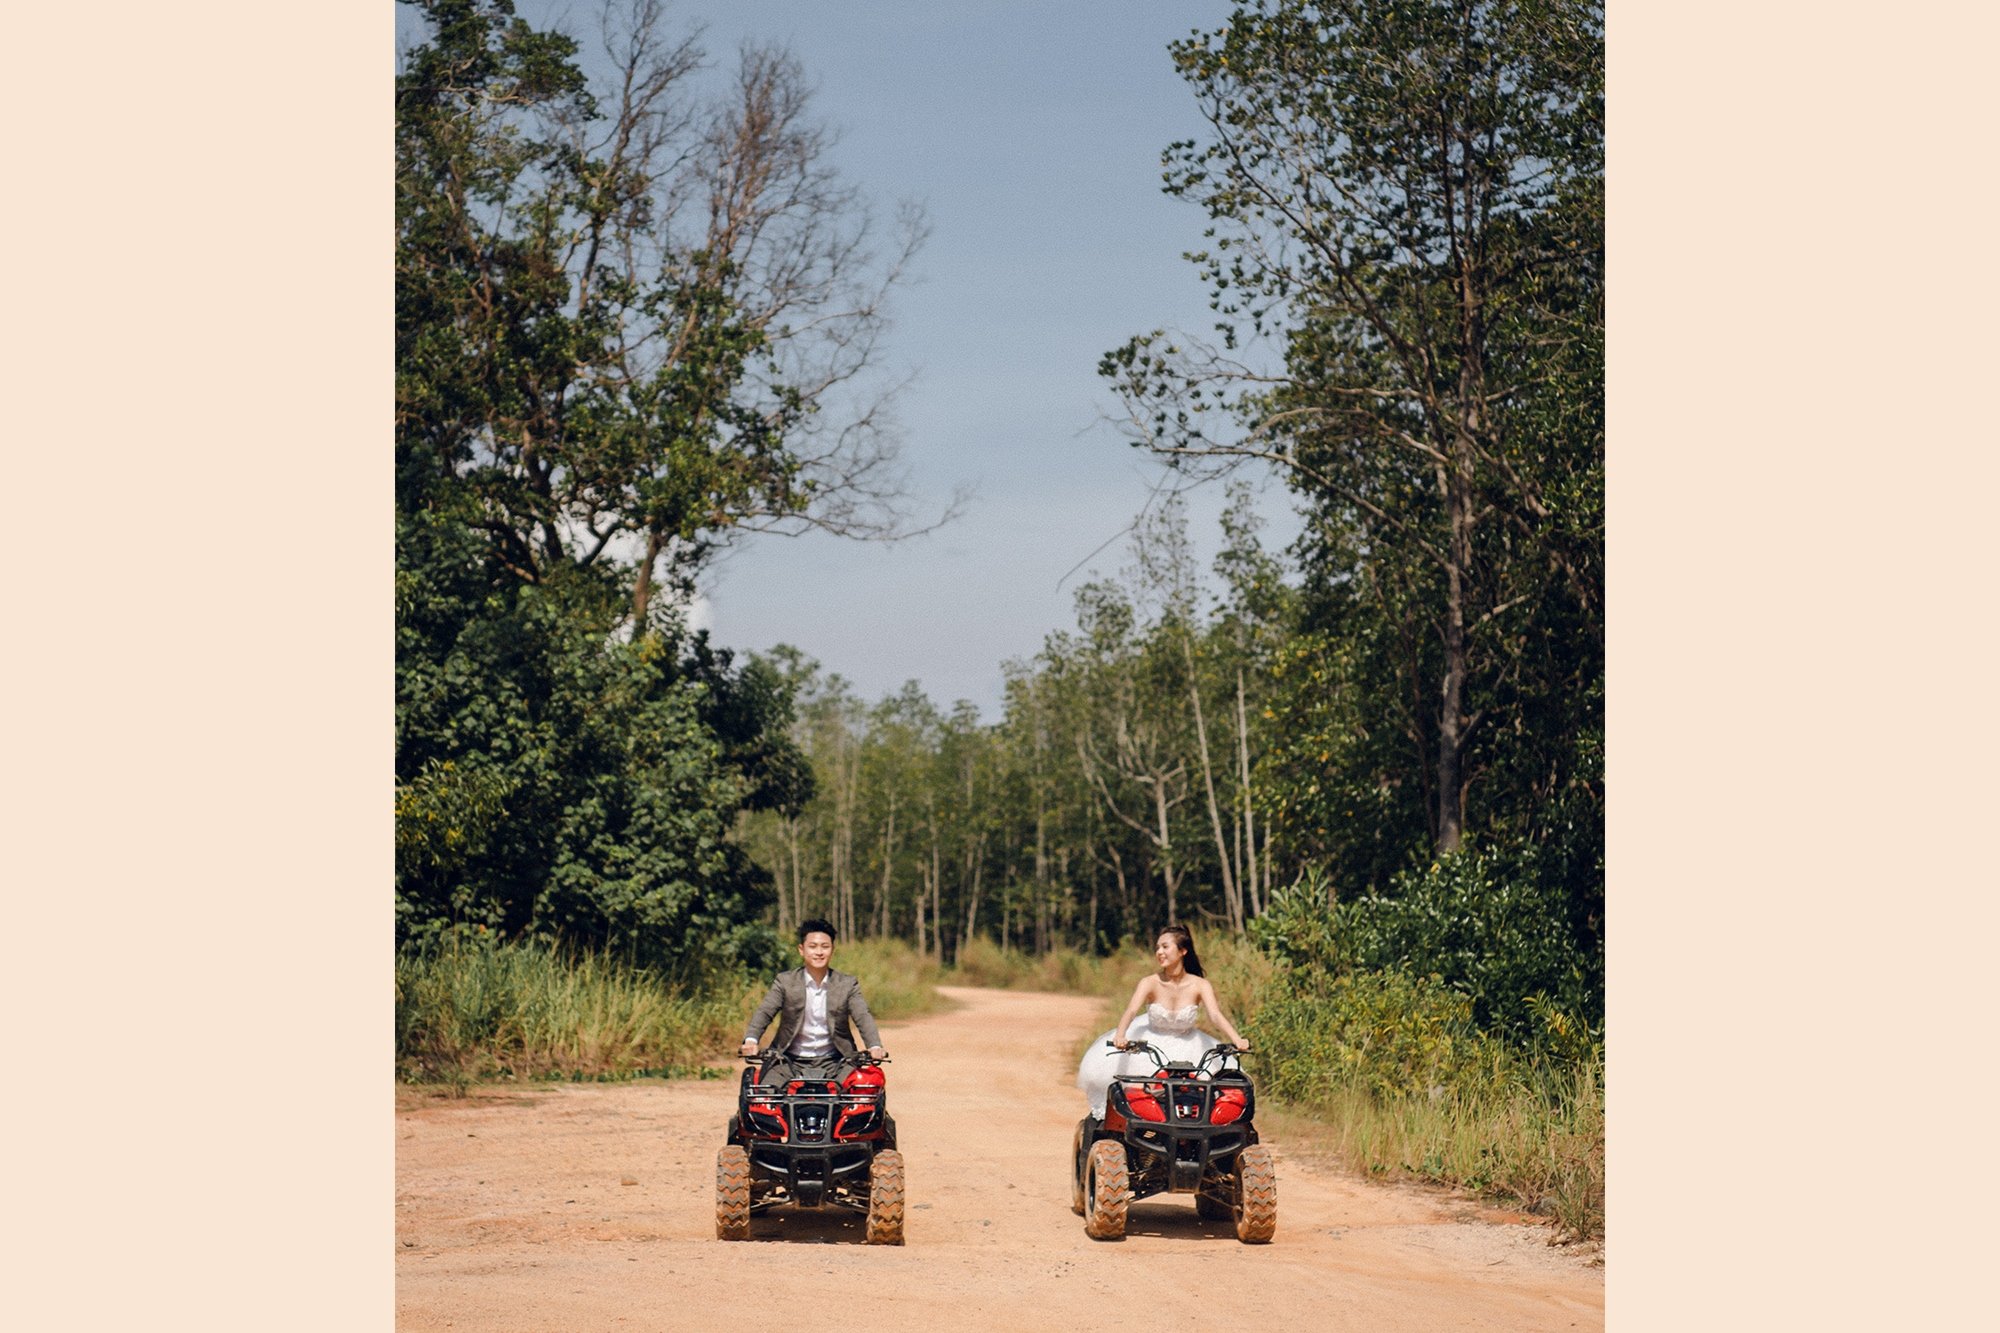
{"x": 898, "y": 981}
{"x": 1404, "y": 1085}
{"x": 1537, "y": 1143}
{"x": 467, "y": 1012}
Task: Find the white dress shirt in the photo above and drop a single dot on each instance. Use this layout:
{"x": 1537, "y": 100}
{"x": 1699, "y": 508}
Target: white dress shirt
{"x": 814, "y": 1038}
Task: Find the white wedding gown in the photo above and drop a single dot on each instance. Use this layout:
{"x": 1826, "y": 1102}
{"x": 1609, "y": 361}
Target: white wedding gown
{"x": 1171, "y": 1032}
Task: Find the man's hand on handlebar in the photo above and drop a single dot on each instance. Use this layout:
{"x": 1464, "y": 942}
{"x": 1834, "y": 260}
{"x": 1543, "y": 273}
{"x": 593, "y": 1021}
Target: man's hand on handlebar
{"x": 747, "y": 1049}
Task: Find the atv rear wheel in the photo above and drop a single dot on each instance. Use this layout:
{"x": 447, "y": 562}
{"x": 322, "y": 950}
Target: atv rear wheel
{"x": 885, "y": 1198}
{"x": 732, "y": 1194}
{"x": 1110, "y": 1190}
{"x": 1256, "y": 1195}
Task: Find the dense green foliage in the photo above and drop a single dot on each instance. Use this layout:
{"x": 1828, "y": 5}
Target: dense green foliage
{"x": 595, "y": 386}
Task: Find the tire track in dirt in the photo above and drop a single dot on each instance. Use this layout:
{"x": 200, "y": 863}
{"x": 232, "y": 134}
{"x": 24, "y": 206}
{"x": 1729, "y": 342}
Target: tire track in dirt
{"x": 513, "y": 1214}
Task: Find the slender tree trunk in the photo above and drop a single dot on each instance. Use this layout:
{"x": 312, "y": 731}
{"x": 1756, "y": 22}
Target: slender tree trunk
{"x": 1253, "y": 883}
{"x": 788, "y": 919}
{"x": 1267, "y": 858}
{"x": 642, "y": 587}
{"x": 888, "y": 861}
{"x": 1124, "y": 889}
{"x": 1167, "y": 876}
{"x": 1231, "y": 896}
{"x": 937, "y": 891}
{"x": 1451, "y": 709}
{"x": 972, "y": 895}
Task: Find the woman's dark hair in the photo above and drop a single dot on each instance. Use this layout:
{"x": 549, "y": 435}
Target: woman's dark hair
{"x": 1185, "y": 938}
{"x": 810, "y": 924}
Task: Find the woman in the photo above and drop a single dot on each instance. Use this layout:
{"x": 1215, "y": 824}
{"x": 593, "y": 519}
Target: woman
{"x": 1172, "y": 998}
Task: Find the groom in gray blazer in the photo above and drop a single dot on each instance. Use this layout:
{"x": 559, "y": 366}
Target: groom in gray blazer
{"x": 814, "y": 1006}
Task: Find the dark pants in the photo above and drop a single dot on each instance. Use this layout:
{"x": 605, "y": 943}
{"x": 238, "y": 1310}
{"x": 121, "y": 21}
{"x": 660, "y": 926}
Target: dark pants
{"x": 787, "y": 1067}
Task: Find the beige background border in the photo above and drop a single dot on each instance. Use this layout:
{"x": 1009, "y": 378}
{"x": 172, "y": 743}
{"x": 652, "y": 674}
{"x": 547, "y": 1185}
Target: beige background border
{"x": 1802, "y": 466}
{"x": 199, "y": 988}
{"x": 1801, "y": 740}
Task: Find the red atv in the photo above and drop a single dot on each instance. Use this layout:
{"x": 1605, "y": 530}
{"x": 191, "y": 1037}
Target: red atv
{"x": 1183, "y": 1129}
{"x": 814, "y": 1142}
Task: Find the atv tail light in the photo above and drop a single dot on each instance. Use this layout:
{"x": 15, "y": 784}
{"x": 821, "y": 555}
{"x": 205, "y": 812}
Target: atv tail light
{"x": 1228, "y": 1106}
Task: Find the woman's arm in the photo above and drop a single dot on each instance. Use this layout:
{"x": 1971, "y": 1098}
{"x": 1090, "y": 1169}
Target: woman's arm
{"x": 1214, "y": 1003}
{"x": 1139, "y": 995}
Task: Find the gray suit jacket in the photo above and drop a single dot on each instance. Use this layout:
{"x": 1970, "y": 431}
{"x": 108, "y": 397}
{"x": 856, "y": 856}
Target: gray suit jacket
{"x": 786, "y": 1001}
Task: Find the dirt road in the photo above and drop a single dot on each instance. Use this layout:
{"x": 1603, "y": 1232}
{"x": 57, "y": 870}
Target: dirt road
{"x": 592, "y": 1207}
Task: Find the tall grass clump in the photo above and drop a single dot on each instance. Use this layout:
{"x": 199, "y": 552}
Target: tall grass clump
{"x": 1232, "y": 963}
{"x": 898, "y": 981}
{"x": 469, "y": 1009}
{"x": 982, "y": 962}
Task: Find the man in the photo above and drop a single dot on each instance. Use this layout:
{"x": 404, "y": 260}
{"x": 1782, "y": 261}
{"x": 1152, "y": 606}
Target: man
{"x": 813, "y": 1005}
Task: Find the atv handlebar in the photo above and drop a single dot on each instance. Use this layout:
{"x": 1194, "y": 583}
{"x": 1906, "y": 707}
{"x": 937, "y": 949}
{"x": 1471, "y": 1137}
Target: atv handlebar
{"x": 1218, "y": 1052}
{"x": 859, "y": 1058}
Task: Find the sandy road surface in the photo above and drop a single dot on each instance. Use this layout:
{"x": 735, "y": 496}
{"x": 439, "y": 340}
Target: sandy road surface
{"x": 513, "y": 1213}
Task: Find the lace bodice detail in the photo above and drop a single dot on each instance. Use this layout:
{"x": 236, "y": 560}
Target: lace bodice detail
{"x": 1173, "y": 1022}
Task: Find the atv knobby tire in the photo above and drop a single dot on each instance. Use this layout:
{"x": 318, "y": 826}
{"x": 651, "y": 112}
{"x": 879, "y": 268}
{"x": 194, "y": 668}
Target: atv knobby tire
{"x": 1110, "y": 1190}
{"x": 885, "y": 1198}
{"x": 1076, "y": 1167}
{"x": 1256, "y": 1195}
{"x": 732, "y": 1194}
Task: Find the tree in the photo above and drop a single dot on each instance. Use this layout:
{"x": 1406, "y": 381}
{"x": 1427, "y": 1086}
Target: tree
{"x": 626, "y": 319}
{"x": 1406, "y": 200}
{"x": 629, "y": 324}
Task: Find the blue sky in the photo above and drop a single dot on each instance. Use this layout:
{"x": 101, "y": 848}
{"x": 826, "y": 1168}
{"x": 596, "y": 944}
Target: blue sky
{"x": 1031, "y": 132}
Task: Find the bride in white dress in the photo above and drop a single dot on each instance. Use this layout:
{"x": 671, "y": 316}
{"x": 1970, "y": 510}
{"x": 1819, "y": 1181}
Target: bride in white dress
{"x": 1172, "y": 1000}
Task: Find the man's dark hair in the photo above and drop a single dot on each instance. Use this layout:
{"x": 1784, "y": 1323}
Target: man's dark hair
{"x": 810, "y": 924}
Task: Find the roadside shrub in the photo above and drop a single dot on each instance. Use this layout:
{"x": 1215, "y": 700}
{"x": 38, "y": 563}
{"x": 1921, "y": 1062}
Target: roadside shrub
{"x": 1446, "y": 1036}
{"x": 1485, "y": 924}
{"x": 1392, "y": 1033}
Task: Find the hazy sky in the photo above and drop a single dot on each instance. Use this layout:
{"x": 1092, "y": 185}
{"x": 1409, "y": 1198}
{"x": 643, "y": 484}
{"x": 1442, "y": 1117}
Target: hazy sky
{"x": 1031, "y": 132}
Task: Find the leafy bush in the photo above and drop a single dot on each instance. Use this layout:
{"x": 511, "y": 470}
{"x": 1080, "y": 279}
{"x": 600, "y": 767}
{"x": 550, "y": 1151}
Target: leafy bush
{"x": 1390, "y": 1032}
{"x": 1486, "y": 924}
